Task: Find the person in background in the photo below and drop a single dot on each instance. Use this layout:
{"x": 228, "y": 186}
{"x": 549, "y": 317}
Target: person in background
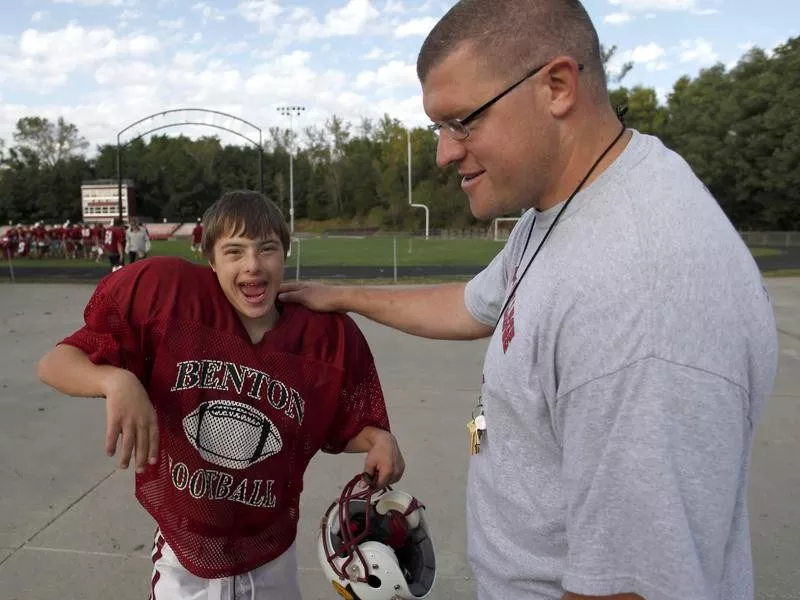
{"x": 197, "y": 237}
{"x": 114, "y": 244}
{"x": 137, "y": 242}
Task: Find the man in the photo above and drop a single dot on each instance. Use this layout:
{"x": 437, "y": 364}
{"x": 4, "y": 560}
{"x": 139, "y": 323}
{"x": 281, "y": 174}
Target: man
{"x": 137, "y": 242}
{"x": 633, "y": 345}
{"x": 225, "y": 398}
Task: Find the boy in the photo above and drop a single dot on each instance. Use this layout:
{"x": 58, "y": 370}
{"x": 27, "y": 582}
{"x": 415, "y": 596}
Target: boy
{"x": 226, "y": 396}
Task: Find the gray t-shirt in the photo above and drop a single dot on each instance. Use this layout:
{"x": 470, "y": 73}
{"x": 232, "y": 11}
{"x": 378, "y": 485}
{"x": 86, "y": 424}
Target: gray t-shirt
{"x": 620, "y": 400}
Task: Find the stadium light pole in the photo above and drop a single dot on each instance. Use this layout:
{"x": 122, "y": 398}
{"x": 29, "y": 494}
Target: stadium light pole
{"x": 291, "y": 112}
{"x": 119, "y": 177}
{"x": 427, "y": 212}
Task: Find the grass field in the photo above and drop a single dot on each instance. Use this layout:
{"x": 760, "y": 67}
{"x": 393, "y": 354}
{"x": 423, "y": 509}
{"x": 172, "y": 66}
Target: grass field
{"x": 367, "y": 252}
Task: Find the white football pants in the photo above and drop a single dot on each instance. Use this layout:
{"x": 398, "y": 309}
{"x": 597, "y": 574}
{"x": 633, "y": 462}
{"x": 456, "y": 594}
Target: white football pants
{"x": 276, "y": 580}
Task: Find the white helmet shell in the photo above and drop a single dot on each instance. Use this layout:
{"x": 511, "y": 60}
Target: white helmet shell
{"x": 360, "y": 562}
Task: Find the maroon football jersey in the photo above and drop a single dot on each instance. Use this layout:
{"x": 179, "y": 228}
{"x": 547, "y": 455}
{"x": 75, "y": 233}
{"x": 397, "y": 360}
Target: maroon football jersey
{"x": 239, "y": 422}
{"x": 114, "y": 236}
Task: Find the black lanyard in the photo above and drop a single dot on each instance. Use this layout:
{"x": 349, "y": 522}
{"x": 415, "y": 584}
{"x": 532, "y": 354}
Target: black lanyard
{"x": 549, "y": 229}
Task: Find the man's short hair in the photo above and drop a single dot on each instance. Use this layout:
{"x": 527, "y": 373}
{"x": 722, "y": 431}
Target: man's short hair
{"x": 513, "y": 36}
{"x": 246, "y": 213}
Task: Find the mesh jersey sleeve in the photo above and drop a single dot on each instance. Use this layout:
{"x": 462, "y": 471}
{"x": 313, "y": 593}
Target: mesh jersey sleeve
{"x": 106, "y": 336}
{"x": 361, "y": 401}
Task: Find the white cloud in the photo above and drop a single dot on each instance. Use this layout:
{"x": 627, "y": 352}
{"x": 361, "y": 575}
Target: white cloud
{"x": 186, "y": 60}
{"x": 141, "y": 45}
{"x": 415, "y": 27}
{"x": 645, "y": 54}
{"x": 642, "y": 5}
{"x": 648, "y": 55}
{"x": 392, "y": 6}
{"x": 698, "y": 51}
{"x": 617, "y": 18}
{"x": 76, "y": 45}
{"x": 662, "y": 5}
{"x": 273, "y": 75}
{"x": 128, "y": 89}
{"x": 208, "y": 12}
{"x": 349, "y": 98}
{"x": 294, "y": 60}
{"x": 130, "y": 15}
{"x": 94, "y": 2}
{"x": 393, "y": 74}
{"x": 38, "y": 16}
{"x": 657, "y": 65}
{"x": 117, "y": 75}
{"x": 351, "y": 18}
{"x": 263, "y": 12}
{"x": 230, "y": 49}
{"x": 301, "y": 24}
{"x": 43, "y": 60}
{"x": 172, "y": 23}
{"x": 408, "y": 111}
{"x": 375, "y": 54}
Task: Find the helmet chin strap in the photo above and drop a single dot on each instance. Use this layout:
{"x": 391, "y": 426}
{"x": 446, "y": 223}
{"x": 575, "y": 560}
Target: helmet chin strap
{"x": 352, "y": 539}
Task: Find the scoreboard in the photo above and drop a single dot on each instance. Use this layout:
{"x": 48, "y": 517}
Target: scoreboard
{"x": 100, "y": 200}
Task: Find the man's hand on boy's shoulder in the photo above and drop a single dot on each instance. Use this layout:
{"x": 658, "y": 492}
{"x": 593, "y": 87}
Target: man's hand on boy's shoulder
{"x": 384, "y": 461}
{"x": 130, "y": 414}
{"x": 319, "y": 297}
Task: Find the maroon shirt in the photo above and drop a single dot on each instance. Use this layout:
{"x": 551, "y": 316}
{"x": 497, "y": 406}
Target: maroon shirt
{"x": 239, "y": 422}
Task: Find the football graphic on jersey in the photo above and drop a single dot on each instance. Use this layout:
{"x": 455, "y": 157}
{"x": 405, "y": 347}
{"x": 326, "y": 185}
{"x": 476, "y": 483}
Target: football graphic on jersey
{"x": 231, "y": 434}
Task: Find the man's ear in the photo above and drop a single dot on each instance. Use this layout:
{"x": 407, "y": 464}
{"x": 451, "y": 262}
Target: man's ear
{"x": 562, "y": 79}
{"x": 211, "y": 264}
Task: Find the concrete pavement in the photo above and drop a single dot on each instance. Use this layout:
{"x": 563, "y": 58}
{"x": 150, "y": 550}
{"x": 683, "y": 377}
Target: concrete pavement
{"x": 71, "y": 529}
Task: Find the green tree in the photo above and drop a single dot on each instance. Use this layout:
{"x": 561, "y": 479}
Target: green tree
{"x": 50, "y": 142}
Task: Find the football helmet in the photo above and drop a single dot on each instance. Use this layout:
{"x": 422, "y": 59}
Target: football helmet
{"x": 374, "y": 544}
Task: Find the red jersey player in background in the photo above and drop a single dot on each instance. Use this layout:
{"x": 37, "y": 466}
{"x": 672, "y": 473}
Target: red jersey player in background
{"x": 224, "y": 397}
{"x": 114, "y": 244}
{"x": 197, "y": 238}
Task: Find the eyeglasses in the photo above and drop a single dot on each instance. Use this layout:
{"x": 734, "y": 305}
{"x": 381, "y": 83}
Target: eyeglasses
{"x": 457, "y": 128}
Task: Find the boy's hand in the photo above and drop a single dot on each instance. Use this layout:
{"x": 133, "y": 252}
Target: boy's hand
{"x": 130, "y": 414}
{"x": 384, "y": 462}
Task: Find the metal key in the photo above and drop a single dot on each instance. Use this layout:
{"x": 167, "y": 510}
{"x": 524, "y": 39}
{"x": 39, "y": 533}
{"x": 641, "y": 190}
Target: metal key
{"x": 474, "y": 437}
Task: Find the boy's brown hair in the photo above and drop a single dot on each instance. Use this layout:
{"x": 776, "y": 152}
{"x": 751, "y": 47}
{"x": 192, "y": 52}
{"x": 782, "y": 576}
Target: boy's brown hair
{"x": 246, "y": 213}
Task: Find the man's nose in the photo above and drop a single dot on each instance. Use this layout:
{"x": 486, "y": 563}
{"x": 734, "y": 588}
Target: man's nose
{"x": 448, "y": 150}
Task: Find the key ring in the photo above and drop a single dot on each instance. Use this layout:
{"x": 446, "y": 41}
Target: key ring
{"x": 478, "y": 410}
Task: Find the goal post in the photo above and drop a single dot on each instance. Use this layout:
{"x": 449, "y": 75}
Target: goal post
{"x": 503, "y": 226}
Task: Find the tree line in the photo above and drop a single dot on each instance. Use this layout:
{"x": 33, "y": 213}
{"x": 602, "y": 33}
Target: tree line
{"x": 738, "y": 128}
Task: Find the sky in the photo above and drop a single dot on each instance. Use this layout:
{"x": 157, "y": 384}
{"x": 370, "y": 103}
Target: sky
{"x": 104, "y": 64}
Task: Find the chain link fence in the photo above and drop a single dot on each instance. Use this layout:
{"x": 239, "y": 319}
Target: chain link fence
{"x": 773, "y": 239}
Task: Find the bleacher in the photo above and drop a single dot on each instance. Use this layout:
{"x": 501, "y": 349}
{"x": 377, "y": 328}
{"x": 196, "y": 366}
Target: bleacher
{"x": 161, "y": 231}
{"x": 184, "y": 230}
